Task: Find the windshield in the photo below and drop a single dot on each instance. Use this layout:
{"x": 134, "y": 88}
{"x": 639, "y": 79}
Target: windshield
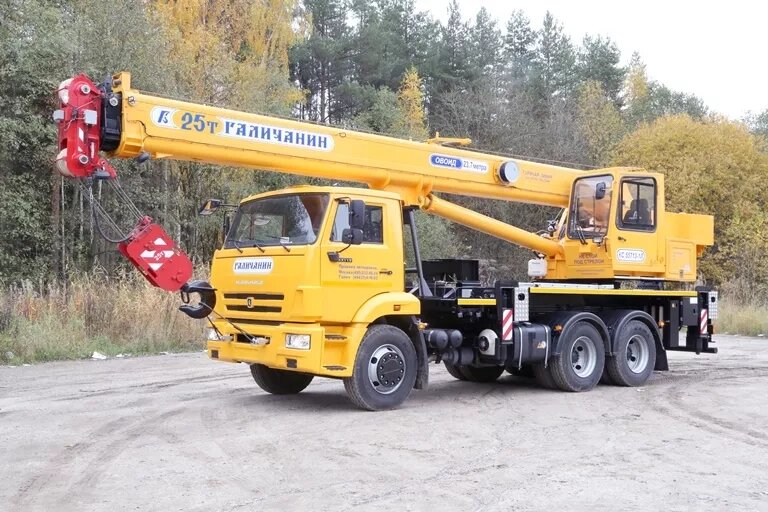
{"x": 279, "y": 220}
{"x": 590, "y": 207}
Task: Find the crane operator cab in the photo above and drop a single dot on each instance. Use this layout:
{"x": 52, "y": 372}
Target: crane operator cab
{"x": 616, "y": 226}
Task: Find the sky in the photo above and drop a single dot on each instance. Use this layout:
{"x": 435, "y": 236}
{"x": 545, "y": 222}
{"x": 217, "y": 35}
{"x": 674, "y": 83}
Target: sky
{"x": 715, "y": 50}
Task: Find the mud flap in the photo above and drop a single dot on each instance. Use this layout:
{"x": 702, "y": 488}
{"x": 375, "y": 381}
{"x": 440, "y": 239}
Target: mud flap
{"x": 422, "y": 372}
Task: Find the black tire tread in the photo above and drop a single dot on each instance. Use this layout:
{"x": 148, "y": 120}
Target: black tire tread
{"x": 356, "y": 394}
{"x": 454, "y": 371}
{"x": 543, "y": 376}
{"x": 279, "y": 382}
{"x": 481, "y": 373}
{"x": 618, "y": 373}
{"x": 560, "y": 366}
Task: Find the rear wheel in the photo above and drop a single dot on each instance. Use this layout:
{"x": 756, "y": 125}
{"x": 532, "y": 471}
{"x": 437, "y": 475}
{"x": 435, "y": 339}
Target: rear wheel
{"x": 635, "y": 355}
{"x": 580, "y": 363}
{"x": 384, "y": 371}
{"x": 279, "y": 382}
{"x": 525, "y": 371}
{"x": 454, "y": 371}
{"x": 543, "y": 376}
{"x": 481, "y": 373}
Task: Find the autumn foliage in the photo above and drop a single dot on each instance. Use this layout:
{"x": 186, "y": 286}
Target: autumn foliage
{"x": 718, "y": 168}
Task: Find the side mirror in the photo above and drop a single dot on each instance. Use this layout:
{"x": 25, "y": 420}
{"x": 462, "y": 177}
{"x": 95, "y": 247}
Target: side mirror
{"x": 209, "y": 207}
{"x": 356, "y": 214}
{"x": 352, "y": 236}
{"x": 600, "y": 191}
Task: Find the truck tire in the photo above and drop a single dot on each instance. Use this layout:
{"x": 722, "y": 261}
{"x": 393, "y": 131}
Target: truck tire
{"x": 454, "y": 371}
{"x": 481, "y": 373}
{"x": 543, "y": 376}
{"x": 580, "y": 363}
{"x": 384, "y": 371}
{"x": 635, "y": 355}
{"x": 279, "y": 382}
{"x": 525, "y": 371}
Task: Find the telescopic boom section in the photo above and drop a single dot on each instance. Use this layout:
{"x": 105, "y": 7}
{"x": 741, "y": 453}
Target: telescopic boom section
{"x": 124, "y": 122}
{"x": 166, "y": 128}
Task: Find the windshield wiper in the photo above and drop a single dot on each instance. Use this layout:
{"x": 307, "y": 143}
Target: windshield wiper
{"x": 250, "y": 243}
{"x": 580, "y": 233}
{"x": 280, "y": 241}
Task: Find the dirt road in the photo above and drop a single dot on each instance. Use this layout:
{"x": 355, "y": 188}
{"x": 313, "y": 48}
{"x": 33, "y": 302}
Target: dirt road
{"x": 180, "y": 432}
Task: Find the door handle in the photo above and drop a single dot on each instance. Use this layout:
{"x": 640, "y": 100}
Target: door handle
{"x": 385, "y": 271}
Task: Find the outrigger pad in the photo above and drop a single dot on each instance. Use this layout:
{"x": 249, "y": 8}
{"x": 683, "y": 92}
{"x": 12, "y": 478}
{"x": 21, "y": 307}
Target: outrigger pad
{"x": 155, "y": 254}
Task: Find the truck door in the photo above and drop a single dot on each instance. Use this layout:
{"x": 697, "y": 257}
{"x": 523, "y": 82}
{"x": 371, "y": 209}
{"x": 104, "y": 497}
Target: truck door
{"x": 636, "y": 247}
{"x": 352, "y": 274}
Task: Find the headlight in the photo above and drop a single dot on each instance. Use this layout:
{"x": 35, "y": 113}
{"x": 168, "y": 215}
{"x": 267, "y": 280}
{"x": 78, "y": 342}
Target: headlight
{"x": 297, "y": 341}
{"x": 214, "y": 335}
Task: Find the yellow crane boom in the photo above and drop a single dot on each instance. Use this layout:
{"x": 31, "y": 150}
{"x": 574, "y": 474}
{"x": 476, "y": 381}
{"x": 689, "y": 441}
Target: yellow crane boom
{"x": 167, "y": 128}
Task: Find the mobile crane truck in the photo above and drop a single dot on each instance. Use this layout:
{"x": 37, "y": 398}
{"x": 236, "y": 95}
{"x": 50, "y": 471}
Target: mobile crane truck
{"x": 311, "y": 280}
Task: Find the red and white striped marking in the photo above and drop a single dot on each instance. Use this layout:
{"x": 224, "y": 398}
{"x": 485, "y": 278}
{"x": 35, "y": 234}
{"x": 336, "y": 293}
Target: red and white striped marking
{"x": 704, "y": 321}
{"x": 507, "y": 324}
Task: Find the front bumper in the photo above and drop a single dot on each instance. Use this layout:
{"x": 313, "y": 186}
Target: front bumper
{"x": 330, "y": 354}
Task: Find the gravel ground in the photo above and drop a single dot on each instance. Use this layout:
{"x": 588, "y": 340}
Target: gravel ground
{"x": 181, "y": 432}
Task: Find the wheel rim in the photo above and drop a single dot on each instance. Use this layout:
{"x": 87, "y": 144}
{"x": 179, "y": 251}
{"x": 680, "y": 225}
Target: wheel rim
{"x": 386, "y": 369}
{"x": 637, "y": 353}
{"x": 583, "y": 356}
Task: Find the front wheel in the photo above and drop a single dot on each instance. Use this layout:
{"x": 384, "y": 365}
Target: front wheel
{"x": 279, "y": 382}
{"x": 384, "y": 371}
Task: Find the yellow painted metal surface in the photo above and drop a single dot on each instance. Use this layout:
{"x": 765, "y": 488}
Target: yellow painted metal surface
{"x": 624, "y": 293}
{"x": 305, "y": 291}
{"x": 476, "y": 302}
{"x": 189, "y": 131}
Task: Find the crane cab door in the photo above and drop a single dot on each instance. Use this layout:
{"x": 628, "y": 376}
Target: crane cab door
{"x": 635, "y": 246}
{"x": 351, "y": 274}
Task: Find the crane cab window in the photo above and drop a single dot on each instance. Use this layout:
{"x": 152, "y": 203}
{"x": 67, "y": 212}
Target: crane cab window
{"x": 590, "y": 207}
{"x": 637, "y": 209}
{"x": 373, "y": 229}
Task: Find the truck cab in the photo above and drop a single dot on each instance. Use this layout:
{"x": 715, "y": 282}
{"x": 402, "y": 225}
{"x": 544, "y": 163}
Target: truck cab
{"x": 299, "y": 277}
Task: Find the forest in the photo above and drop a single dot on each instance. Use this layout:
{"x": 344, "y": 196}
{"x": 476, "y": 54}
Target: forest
{"x": 519, "y": 86}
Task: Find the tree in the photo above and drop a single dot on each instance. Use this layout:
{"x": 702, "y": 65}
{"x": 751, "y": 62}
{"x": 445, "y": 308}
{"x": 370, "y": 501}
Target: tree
{"x": 599, "y": 120}
{"x": 485, "y": 45}
{"x": 598, "y": 60}
{"x": 554, "y": 62}
{"x": 454, "y": 51}
{"x": 710, "y": 167}
{"x": 33, "y": 53}
{"x": 410, "y": 100}
{"x": 321, "y": 62}
{"x": 758, "y": 124}
{"x": 645, "y": 100}
{"x": 519, "y": 42}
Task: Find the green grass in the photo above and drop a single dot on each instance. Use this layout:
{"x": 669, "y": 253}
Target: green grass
{"x": 746, "y": 319}
{"x": 126, "y": 315}
{"x": 56, "y": 322}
